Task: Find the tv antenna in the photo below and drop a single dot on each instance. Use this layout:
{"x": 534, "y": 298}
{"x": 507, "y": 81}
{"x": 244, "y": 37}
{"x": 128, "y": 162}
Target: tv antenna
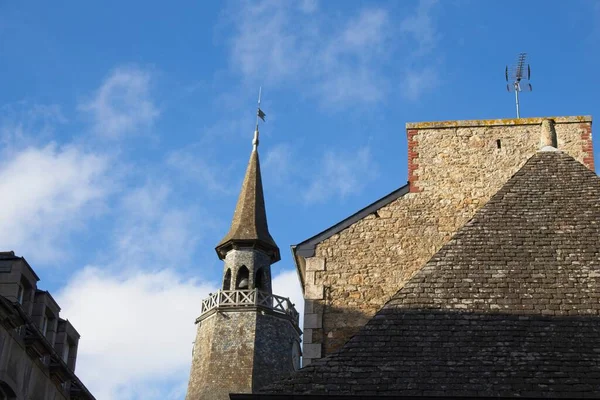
{"x": 517, "y": 78}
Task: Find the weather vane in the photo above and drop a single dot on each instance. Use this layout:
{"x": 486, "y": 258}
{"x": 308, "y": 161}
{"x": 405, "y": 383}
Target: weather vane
{"x": 519, "y": 75}
{"x": 259, "y": 114}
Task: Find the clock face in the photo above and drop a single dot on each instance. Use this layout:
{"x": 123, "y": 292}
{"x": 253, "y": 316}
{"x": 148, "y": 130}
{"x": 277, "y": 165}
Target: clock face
{"x": 296, "y": 355}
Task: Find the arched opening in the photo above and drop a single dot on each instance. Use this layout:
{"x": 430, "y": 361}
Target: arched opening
{"x": 227, "y": 280}
{"x": 259, "y": 279}
{"x": 241, "y": 281}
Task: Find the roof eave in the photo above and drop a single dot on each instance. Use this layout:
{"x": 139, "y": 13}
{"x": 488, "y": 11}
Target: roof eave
{"x": 270, "y": 249}
{"x": 307, "y": 248}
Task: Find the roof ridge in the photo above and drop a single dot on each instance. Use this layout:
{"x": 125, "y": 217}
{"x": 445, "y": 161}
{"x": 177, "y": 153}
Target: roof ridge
{"x": 494, "y": 201}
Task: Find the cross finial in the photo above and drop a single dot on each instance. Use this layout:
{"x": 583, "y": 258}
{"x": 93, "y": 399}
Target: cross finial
{"x": 259, "y": 114}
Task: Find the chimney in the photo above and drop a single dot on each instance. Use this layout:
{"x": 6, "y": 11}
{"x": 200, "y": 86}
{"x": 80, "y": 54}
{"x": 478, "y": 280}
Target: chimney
{"x": 548, "y": 135}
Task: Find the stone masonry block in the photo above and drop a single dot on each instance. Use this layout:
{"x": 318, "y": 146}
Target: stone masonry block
{"x": 315, "y": 264}
{"x": 313, "y": 321}
{"x": 314, "y": 292}
{"x": 312, "y": 350}
{"x": 307, "y": 337}
{"x": 309, "y": 277}
{"x": 309, "y": 306}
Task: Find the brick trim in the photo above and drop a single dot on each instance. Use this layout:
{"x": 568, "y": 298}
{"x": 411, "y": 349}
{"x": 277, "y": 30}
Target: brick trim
{"x": 413, "y": 160}
{"x": 588, "y": 147}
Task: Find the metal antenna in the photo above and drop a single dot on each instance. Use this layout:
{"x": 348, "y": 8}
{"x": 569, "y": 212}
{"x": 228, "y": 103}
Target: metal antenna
{"x": 517, "y": 78}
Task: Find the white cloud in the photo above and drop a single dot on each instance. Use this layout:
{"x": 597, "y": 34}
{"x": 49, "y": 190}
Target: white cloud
{"x": 193, "y": 167}
{"x": 341, "y": 174}
{"x": 152, "y": 229}
{"x": 341, "y": 60}
{"x": 337, "y": 174}
{"x": 48, "y": 194}
{"x": 340, "y": 64}
{"x": 421, "y": 75}
{"x": 265, "y": 45}
{"x": 122, "y": 105}
{"x": 364, "y": 31}
{"x": 276, "y": 167}
{"x": 309, "y": 6}
{"x": 421, "y": 27}
{"x": 416, "y": 82}
{"x": 287, "y": 284}
{"x": 136, "y": 330}
{"x": 23, "y": 124}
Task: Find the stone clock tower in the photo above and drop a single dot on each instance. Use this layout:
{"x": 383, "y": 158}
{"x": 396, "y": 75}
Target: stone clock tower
{"x": 247, "y": 337}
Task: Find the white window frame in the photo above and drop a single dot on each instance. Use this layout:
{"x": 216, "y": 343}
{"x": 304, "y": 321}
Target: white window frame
{"x": 20, "y": 293}
{"x": 66, "y": 350}
{"x": 44, "y": 324}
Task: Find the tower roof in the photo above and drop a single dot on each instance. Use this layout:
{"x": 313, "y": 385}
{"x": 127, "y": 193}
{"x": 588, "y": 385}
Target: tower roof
{"x": 509, "y": 306}
{"x": 249, "y": 226}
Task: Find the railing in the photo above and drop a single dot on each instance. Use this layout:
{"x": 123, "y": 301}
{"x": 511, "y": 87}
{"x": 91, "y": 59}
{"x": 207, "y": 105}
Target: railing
{"x": 249, "y": 298}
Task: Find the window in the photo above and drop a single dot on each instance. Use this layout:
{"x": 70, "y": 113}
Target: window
{"x": 44, "y": 324}
{"x": 20, "y": 293}
{"x": 65, "y": 354}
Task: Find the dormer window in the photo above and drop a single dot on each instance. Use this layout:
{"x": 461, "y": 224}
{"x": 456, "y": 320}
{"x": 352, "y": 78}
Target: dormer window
{"x": 20, "y": 293}
{"x": 44, "y": 324}
{"x": 66, "y": 348}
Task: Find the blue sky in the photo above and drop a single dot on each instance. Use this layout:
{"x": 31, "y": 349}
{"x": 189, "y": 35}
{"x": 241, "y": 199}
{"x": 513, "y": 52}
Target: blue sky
{"x": 125, "y": 129}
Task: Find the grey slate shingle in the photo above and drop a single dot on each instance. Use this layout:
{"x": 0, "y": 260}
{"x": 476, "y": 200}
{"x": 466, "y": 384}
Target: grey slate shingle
{"x": 510, "y": 306}
{"x": 249, "y": 224}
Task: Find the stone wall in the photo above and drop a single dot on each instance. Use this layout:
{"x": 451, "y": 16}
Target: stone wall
{"x": 240, "y": 351}
{"x": 273, "y": 349}
{"x": 454, "y": 168}
{"x": 25, "y": 376}
{"x": 223, "y": 356}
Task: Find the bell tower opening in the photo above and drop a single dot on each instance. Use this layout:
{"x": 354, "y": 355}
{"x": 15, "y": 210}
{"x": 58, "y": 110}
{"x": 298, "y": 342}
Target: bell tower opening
{"x": 227, "y": 280}
{"x": 241, "y": 282}
{"x": 259, "y": 279}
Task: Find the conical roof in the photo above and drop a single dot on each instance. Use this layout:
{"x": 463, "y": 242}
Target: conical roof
{"x": 249, "y": 226}
{"x": 510, "y": 306}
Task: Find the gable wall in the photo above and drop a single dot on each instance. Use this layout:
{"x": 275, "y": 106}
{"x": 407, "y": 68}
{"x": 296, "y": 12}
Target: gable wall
{"x": 454, "y": 168}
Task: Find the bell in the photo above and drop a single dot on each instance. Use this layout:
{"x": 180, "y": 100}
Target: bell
{"x": 243, "y": 284}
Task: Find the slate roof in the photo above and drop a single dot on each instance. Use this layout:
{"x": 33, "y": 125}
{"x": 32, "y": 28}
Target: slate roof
{"x": 510, "y": 306}
{"x": 249, "y": 226}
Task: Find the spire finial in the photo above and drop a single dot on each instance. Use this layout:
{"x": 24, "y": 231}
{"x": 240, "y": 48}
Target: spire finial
{"x": 259, "y": 114}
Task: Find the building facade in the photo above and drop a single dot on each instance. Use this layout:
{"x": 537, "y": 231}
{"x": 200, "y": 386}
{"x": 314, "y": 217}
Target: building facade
{"x": 508, "y": 307}
{"x": 38, "y": 348}
{"x": 350, "y": 270}
{"x": 247, "y": 337}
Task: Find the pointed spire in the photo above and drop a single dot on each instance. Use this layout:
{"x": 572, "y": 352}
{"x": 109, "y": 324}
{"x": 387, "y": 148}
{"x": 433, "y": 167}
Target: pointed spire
{"x": 249, "y": 226}
{"x": 255, "y": 140}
